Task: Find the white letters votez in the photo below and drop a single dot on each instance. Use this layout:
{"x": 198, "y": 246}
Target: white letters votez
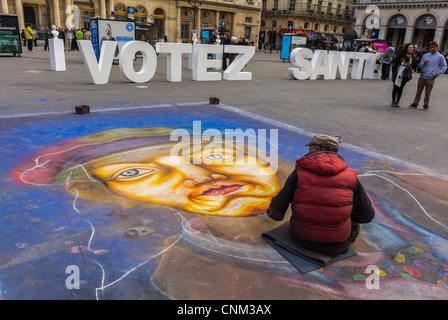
{"x": 332, "y": 65}
{"x": 99, "y": 72}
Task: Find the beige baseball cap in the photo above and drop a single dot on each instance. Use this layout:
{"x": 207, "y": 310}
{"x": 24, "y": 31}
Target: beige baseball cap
{"x": 325, "y": 141}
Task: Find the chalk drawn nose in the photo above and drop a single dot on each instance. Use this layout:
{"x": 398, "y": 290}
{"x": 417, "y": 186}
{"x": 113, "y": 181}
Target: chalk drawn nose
{"x": 138, "y": 232}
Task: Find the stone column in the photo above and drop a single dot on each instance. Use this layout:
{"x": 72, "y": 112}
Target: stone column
{"x": 19, "y": 12}
{"x": 216, "y": 20}
{"x": 178, "y": 26}
{"x": 358, "y": 28}
{"x": 111, "y": 8}
{"x": 56, "y": 13}
{"x": 198, "y": 20}
{"x": 383, "y": 30}
{"x": 103, "y": 9}
{"x": 438, "y": 35}
{"x": 68, "y": 12}
{"x": 5, "y": 6}
{"x": 409, "y": 34}
{"x": 233, "y": 30}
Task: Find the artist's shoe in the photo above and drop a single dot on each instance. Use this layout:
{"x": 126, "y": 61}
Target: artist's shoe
{"x": 413, "y": 105}
{"x": 395, "y": 104}
{"x": 425, "y": 107}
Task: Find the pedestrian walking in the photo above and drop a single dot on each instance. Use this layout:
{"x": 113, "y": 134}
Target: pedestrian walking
{"x": 47, "y": 36}
{"x": 328, "y": 202}
{"x": 403, "y": 73}
{"x": 79, "y": 35}
{"x": 29, "y": 34}
{"x": 431, "y": 65}
{"x": 35, "y": 37}
{"x": 68, "y": 39}
{"x": 386, "y": 61}
{"x": 22, "y": 36}
{"x": 87, "y": 35}
{"x": 225, "y": 42}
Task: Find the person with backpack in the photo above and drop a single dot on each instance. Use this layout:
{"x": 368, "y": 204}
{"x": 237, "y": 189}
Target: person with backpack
{"x": 402, "y": 73}
{"x": 386, "y": 61}
{"x": 29, "y": 36}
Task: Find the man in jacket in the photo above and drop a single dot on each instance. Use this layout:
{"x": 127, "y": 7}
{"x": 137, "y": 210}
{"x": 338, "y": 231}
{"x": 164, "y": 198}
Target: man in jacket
{"x": 327, "y": 200}
{"x": 47, "y": 36}
{"x": 431, "y": 65}
{"x": 29, "y": 36}
{"x": 387, "y": 59}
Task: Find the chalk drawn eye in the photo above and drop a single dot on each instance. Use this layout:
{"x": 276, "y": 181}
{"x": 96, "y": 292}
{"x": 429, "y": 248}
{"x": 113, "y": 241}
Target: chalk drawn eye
{"x": 214, "y": 157}
{"x": 130, "y": 173}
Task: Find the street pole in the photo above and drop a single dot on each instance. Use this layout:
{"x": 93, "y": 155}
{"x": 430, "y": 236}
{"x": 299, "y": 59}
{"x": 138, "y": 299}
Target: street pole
{"x": 195, "y": 5}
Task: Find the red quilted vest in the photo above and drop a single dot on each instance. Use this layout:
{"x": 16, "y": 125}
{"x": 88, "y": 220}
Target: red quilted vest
{"x": 323, "y": 199}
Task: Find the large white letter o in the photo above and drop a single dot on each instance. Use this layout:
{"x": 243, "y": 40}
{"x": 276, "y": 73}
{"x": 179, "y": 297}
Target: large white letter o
{"x": 149, "y": 64}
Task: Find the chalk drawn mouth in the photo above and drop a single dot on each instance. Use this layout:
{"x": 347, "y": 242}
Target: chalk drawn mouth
{"x": 219, "y": 190}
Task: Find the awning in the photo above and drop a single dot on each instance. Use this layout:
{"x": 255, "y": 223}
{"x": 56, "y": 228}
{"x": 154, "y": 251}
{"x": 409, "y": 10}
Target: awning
{"x": 331, "y": 37}
{"x": 287, "y": 30}
{"x": 321, "y": 36}
{"x": 310, "y": 34}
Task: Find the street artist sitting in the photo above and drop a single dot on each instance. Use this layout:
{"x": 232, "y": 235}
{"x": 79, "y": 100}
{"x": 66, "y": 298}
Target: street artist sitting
{"x": 327, "y": 200}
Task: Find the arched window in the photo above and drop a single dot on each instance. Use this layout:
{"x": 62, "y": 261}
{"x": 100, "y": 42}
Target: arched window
{"x": 316, "y": 27}
{"x": 306, "y": 25}
{"x": 120, "y": 12}
{"x": 335, "y": 29}
{"x": 140, "y": 14}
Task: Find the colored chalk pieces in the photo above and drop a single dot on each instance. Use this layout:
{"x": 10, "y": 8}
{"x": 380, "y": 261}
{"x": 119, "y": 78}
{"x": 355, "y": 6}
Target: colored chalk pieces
{"x": 400, "y": 258}
{"x": 412, "y": 271}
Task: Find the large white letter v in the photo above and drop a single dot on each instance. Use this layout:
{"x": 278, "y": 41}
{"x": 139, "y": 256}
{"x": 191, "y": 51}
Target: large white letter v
{"x": 98, "y": 72}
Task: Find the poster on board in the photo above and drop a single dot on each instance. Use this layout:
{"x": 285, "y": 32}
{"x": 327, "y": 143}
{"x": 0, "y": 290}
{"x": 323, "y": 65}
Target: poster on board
{"x": 111, "y": 30}
{"x": 149, "y": 34}
{"x": 10, "y": 34}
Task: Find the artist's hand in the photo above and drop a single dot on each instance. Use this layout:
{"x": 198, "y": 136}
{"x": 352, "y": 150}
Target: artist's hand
{"x": 426, "y": 61}
{"x": 436, "y": 75}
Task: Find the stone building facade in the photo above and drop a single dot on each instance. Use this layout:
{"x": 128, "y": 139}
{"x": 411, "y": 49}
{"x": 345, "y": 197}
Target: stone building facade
{"x": 176, "y": 18}
{"x": 400, "y": 21}
{"x": 329, "y": 17}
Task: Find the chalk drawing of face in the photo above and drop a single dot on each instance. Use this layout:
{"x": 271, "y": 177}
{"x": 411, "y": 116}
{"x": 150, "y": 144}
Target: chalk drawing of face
{"x": 134, "y": 169}
{"x": 212, "y": 187}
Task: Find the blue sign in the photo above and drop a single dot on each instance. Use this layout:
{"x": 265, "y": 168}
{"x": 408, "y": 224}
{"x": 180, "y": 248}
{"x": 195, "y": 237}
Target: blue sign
{"x": 286, "y": 47}
{"x": 95, "y": 40}
{"x": 131, "y": 9}
{"x": 290, "y": 27}
{"x": 223, "y": 23}
{"x": 129, "y": 27}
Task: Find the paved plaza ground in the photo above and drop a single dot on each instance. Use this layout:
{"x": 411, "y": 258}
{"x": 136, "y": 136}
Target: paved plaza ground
{"x": 400, "y": 154}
